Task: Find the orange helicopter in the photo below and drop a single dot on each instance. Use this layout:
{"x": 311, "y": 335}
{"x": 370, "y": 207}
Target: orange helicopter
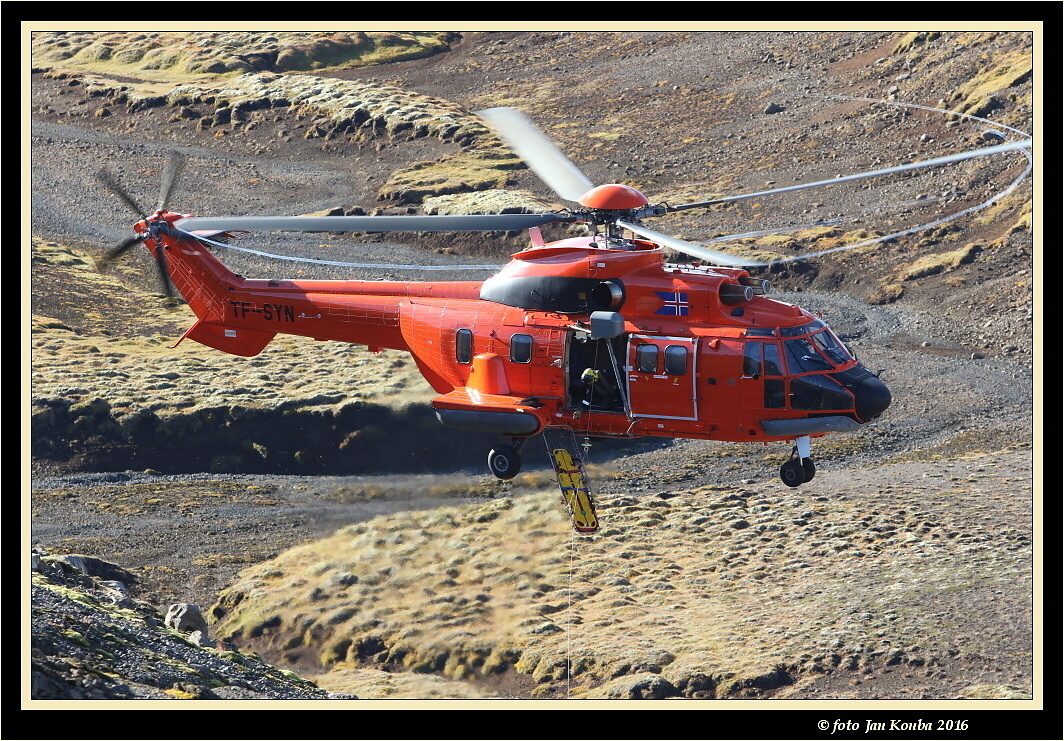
{"x": 594, "y": 335}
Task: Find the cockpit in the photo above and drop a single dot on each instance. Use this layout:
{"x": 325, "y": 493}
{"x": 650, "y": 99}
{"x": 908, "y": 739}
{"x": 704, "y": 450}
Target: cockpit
{"x": 807, "y": 368}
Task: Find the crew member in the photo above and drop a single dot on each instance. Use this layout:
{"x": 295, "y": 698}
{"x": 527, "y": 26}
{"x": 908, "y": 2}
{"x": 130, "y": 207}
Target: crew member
{"x": 594, "y": 380}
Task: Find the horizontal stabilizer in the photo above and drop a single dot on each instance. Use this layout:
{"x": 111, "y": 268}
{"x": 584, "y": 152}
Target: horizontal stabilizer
{"x": 233, "y": 340}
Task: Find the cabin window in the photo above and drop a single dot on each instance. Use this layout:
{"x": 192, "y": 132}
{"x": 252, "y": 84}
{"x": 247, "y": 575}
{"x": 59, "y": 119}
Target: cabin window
{"x": 646, "y": 358}
{"x": 675, "y": 360}
{"x": 463, "y": 346}
{"x": 521, "y": 348}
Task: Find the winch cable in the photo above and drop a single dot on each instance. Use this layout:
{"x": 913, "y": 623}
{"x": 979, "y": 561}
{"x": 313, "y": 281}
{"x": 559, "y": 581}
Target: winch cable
{"x": 569, "y": 619}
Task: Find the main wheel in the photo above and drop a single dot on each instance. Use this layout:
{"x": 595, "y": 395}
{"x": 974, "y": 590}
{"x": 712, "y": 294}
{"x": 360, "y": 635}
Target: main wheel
{"x": 810, "y": 468}
{"x": 792, "y": 473}
{"x": 504, "y": 462}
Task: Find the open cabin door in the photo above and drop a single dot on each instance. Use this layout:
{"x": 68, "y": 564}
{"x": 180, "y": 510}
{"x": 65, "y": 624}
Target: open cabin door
{"x": 661, "y": 377}
{"x": 604, "y": 358}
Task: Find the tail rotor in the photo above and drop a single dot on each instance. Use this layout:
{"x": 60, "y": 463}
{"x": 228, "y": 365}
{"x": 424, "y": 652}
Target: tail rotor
{"x": 170, "y": 177}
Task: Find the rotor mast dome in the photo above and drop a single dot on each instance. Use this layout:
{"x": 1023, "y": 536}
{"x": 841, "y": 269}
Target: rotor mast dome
{"x": 613, "y": 197}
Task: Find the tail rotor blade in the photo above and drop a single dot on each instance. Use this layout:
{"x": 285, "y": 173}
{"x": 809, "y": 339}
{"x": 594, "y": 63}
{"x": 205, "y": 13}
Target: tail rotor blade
{"x": 120, "y": 250}
{"x": 170, "y": 176}
{"x": 112, "y": 185}
{"x": 538, "y": 152}
{"x": 164, "y": 275}
{"x": 173, "y": 171}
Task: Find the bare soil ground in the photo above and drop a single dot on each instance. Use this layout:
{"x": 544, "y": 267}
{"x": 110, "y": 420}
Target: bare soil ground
{"x": 944, "y": 492}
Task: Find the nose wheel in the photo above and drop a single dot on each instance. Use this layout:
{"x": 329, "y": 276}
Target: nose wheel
{"x": 799, "y": 469}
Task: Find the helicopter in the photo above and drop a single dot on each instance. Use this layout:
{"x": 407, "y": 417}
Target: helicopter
{"x": 597, "y": 335}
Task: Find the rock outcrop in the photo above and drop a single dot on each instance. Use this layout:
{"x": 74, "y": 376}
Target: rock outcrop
{"x": 91, "y": 641}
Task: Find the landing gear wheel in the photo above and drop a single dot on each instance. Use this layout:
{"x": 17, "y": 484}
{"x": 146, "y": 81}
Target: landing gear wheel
{"x": 792, "y": 473}
{"x": 797, "y": 470}
{"x": 504, "y": 462}
{"x": 810, "y": 468}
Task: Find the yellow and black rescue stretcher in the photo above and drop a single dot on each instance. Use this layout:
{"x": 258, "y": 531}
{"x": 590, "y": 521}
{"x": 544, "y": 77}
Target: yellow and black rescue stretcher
{"x": 575, "y": 492}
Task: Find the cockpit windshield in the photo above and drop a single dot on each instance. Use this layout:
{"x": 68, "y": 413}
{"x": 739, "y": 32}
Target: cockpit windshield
{"x": 808, "y": 348}
{"x": 830, "y": 345}
{"x": 818, "y": 352}
{"x": 804, "y": 329}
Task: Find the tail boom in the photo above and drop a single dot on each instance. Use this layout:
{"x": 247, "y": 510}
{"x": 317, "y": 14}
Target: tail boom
{"x": 242, "y": 315}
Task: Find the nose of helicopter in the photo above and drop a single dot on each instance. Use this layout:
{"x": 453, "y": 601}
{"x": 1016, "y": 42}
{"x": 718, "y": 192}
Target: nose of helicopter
{"x": 871, "y": 397}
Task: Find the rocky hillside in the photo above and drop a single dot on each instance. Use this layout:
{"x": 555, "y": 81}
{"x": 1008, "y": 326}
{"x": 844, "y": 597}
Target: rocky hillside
{"x": 906, "y": 573}
{"x": 907, "y": 579}
{"x": 170, "y": 56}
{"x": 690, "y": 591}
{"x": 92, "y": 641}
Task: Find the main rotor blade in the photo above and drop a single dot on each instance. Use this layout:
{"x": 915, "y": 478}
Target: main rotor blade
{"x": 689, "y": 248}
{"x": 948, "y": 159}
{"x": 338, "y": 263}
{"x": 370, "y": 224}
{"x": 538, "y": 152}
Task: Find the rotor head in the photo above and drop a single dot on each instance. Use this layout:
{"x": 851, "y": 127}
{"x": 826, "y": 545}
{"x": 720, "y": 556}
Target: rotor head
{"x": 614, "y": 197}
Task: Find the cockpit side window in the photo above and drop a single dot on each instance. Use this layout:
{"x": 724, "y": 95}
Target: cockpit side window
{"x": 773, "y": 366}
{"x": 761, "y": 360}
{"x": 752, "y": 359}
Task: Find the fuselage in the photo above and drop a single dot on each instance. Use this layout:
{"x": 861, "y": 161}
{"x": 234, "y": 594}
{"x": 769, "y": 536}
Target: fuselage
{"x": 602, "y": 337}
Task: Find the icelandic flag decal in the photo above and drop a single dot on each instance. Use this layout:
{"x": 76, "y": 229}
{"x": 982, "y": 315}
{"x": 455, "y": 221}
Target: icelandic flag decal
{"x": 675, "y": 303}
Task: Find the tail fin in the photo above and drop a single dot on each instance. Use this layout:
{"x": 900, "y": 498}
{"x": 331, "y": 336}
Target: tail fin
{"x": 206, "y": 285}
